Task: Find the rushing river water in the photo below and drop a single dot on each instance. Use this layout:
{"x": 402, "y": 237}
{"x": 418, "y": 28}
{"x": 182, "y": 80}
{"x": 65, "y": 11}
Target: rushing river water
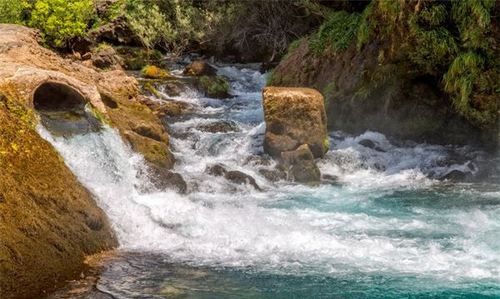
{"x": 386, "y": 228}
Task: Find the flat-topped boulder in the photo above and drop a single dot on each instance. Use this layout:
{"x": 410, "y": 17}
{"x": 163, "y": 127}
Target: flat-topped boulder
{"x": 294, "y": 116}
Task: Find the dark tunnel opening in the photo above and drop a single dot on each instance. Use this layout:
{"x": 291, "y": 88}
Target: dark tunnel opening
{"x": 53, "y": 96}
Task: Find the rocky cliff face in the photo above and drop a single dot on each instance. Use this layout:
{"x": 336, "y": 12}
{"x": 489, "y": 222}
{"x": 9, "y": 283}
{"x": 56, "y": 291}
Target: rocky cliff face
{"x": 48, "y": 221}
{"x": 361, "y": 93}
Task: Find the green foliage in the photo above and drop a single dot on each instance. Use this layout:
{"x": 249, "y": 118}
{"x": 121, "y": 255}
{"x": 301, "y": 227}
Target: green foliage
{"x": 366, "y": 26}
{"x": 464, "y": 74}
{"x": 62, "y": 20}
{"x": 336, "y": 33}
{"x": 430, "y": 45}
{"x": 473, "y": 20}
{"x": 12, "y": 11}
{"x": 148, "y": 23}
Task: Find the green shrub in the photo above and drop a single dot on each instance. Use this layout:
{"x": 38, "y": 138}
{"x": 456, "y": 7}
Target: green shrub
{"x": 148, "y": 23}
{"x": 336, "y": 33}
{"x": 12, "y": 11}
{"x": 62, "y": 20}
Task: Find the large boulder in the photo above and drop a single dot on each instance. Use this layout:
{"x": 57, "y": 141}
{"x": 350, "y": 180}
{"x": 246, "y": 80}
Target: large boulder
{"x": 294, "y": 116}
{"x": 300, "y": 165}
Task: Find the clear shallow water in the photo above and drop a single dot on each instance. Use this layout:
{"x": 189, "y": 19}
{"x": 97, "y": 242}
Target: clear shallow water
{"x": 387, "y": 228}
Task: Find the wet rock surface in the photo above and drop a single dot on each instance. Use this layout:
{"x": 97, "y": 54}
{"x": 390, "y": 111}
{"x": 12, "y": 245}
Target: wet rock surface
{"x": 301, "y": 166}
{"x": 294, "y": 116}
{"x": 236, "y": 177}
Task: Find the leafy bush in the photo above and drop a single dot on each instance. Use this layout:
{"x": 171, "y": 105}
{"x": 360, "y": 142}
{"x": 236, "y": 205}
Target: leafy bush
{"x": 148, "y": 23}
{"x": 62, "y": 20}
{"x": 12, "y": 11}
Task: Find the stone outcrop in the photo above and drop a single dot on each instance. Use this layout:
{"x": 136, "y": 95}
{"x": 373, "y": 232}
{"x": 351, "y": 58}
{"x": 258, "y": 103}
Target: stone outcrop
{"x": 48, "y": 221}
{"x": 294, "y": 116}
{"x": 25, "y": 66}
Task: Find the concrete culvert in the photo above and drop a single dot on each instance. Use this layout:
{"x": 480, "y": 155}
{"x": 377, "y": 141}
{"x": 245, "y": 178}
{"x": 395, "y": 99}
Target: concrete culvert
{"x": 52, "y": 96}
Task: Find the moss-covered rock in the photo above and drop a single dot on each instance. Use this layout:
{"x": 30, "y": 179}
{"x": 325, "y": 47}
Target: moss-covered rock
{"x": 48, "y": 221}
{"x": 214, "y": 86}
{"x": 294, "y": 116}
{"x": 154, "y": 72}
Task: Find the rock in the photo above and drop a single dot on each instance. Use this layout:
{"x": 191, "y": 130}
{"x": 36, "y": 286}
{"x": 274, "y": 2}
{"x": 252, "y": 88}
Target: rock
{"x": 200, "y": 68}
{"x": 223, "y": 126}
{"x": 300, "y": 165}
{"x": 294, "y": 116}
{"x": 115, "y": 32}
{"x": 370, "y": 144}
{"x": 171, "y": 108}
{"x": 49, "y": 222}
{"x": 216, "y": 170}
{"x": 236, "y": 177}
{"x": 329, "y": 179}
{"x": 455, "y": 175}
{"x": 32, "y": 74}
{"x": 105, "y": 57}
{"x": 241, "y": 178}
{"x": 214, "y": 87}
{"x": 146, "y": 130}
{"x": 367, "y": 143}
{"x": 163, "y": 179}
{"x": 273, "y": 175}
{"x": 154, "y": 72}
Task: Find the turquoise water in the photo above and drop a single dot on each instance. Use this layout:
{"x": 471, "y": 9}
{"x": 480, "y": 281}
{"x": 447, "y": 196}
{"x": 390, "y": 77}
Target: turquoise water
{"x": 386, "y": 227}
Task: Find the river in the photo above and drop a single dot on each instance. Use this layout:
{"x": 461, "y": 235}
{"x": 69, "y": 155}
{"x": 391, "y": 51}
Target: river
{"x": 386, "y": 227}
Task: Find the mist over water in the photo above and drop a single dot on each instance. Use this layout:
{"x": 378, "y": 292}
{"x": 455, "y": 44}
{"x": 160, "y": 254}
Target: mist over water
{"x": 386, "y": 228}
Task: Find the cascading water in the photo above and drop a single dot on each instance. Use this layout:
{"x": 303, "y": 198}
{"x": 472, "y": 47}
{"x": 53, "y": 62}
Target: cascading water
{"x": 385, "y": 228}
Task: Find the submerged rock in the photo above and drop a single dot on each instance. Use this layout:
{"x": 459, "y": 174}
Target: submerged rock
{"x": 222, "y": 126}
{"x": 301, "y": 166}
{"x": 200, "y": 68}
{"x": 163, "y": 179}
{"x": 214, "y": 87}
{"x": 455, "y": 175}
{"x": 294, "y": 116}
{"x": 236, "y": 177}
{"x": 273, "y": 175}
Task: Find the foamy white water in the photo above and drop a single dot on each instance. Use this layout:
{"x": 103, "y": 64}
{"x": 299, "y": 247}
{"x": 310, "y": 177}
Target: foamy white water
{"x": 388, "y": 214}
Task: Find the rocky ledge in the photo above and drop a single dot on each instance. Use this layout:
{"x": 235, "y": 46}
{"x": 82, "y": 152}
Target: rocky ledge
{"x": 48, "y": 221}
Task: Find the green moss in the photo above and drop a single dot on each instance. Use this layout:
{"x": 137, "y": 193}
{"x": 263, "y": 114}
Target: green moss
{"x": 154, "y": 72}
{"x": 326, "y": 144}
{"x": 215, "y": 86}
{"x": 149, "y": 87}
